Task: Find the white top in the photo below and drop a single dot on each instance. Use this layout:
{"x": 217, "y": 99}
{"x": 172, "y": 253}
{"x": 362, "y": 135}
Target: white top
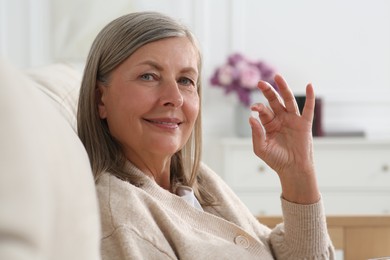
{"x": 187, "y": 194}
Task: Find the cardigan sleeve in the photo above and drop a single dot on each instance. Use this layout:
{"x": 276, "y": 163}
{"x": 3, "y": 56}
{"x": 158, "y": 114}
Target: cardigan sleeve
{"x": 303, "y": 234}
{"x": 125, "y": 244}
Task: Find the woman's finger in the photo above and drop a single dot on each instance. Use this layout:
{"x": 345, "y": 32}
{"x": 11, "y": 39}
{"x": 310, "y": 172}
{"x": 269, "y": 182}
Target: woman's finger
{"x": 265, "y": 114}
{"x": 274, "y": 100}
{"x": 287, "y": 95}
{"x": 308, "y": 109}
{"x": 258, "y": 136}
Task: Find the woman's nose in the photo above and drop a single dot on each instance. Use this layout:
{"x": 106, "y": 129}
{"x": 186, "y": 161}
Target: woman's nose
{"x": 171, "y": 94}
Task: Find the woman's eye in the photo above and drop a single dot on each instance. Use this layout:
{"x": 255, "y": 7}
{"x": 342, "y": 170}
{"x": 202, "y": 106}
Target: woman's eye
{"x": 186, "y": 82}
{"x": 147, "y": 77}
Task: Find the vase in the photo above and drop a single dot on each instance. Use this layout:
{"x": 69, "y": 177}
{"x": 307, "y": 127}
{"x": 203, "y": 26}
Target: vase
{"x": 243, "y": 112}
{"x": 241, "y": 120}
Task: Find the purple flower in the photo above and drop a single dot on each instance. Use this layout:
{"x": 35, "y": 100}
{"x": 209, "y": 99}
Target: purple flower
{"x": 249, "y": 75}
{"x": 241, "y": 75}
{"x": 226, "y": 74}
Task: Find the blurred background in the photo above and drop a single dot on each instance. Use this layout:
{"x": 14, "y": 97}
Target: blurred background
{"x": 341, "y": 46}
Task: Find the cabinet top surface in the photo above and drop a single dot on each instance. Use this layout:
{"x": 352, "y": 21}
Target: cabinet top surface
{"x": 318, "y": 141}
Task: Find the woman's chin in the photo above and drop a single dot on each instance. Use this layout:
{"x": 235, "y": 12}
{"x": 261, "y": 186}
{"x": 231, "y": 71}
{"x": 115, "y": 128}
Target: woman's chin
{"x": 168, "y": 147}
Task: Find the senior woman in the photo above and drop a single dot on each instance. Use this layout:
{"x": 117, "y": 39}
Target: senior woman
{"x": 139, "y": 118}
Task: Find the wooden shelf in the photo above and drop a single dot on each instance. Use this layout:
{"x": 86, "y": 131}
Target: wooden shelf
{"x": 360, "y": 237}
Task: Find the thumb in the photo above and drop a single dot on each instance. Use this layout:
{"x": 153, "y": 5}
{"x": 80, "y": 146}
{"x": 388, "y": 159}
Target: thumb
{"x": 258, "y": 135}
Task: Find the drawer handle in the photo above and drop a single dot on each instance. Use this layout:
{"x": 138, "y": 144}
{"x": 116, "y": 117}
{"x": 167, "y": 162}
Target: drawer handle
{"x": 261, "y": 169}
{"x": 385, "y": 168}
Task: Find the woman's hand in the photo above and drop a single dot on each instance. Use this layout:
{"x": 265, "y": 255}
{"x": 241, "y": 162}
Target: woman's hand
{"x": 284, "y": 140}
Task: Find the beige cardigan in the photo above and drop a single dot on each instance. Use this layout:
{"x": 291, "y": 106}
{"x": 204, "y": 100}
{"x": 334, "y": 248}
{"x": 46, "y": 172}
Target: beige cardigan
{"x": 148, "y": 222}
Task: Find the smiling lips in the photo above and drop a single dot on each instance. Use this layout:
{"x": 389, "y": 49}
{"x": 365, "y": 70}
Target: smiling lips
{"x": 169, "y": 123}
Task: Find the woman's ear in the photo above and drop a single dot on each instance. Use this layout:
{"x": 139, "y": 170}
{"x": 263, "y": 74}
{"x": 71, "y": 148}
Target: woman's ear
{"x": 100, "y": 96}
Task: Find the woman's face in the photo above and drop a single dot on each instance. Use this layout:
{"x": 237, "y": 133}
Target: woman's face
{"x": 151, "y": 102}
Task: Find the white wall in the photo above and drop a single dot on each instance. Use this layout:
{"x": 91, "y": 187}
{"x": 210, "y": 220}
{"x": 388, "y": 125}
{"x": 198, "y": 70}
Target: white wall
{"x": 342, "y": 46}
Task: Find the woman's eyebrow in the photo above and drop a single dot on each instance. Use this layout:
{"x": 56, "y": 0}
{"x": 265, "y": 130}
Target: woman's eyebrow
{"x": 190, "y": 70}
{"x": 152, "y": 64}
{"x": 160, "y": 68}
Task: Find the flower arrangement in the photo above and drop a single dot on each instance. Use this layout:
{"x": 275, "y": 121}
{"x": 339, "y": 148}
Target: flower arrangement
{"x": 241, "y": 75}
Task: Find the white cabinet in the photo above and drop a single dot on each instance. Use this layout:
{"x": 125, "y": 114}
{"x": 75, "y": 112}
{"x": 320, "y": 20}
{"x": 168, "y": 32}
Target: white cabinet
{"x": 353, "y": 175}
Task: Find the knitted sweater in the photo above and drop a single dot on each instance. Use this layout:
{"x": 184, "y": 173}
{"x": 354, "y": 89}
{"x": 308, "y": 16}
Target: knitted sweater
{"x": 147, "y": 222}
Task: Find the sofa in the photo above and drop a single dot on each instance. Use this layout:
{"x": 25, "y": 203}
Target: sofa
{"x": 48, "y": 205}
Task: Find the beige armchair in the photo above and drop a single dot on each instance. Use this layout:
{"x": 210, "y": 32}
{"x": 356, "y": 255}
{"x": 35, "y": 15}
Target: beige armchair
{"x": 48, "y": 206}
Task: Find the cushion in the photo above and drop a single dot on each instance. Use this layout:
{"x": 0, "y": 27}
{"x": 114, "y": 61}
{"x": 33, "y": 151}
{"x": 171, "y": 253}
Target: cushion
{"x": 61, "y": 83}
{"x": 47, "y": 196}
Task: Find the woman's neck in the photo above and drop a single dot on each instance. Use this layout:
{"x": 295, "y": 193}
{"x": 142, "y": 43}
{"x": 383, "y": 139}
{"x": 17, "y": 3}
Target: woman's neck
{"x": 156, "y": 167}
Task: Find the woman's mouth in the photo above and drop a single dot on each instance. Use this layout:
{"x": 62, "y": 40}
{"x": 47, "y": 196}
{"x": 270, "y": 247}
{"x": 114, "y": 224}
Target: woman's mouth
{"x": 167, "y": 123}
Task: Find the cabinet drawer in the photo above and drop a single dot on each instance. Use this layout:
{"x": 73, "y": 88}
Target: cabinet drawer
{"x": 336, "y": 203}
{"x": 349, "y": 167}
{"x": 262, "y": 203}
{"x": 338, "y": 165}
{"x": 243, "y": 169}
{"x": 357, "y": 202}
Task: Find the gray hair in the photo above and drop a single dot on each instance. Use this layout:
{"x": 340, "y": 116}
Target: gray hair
{"x": 114, "y": 44}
